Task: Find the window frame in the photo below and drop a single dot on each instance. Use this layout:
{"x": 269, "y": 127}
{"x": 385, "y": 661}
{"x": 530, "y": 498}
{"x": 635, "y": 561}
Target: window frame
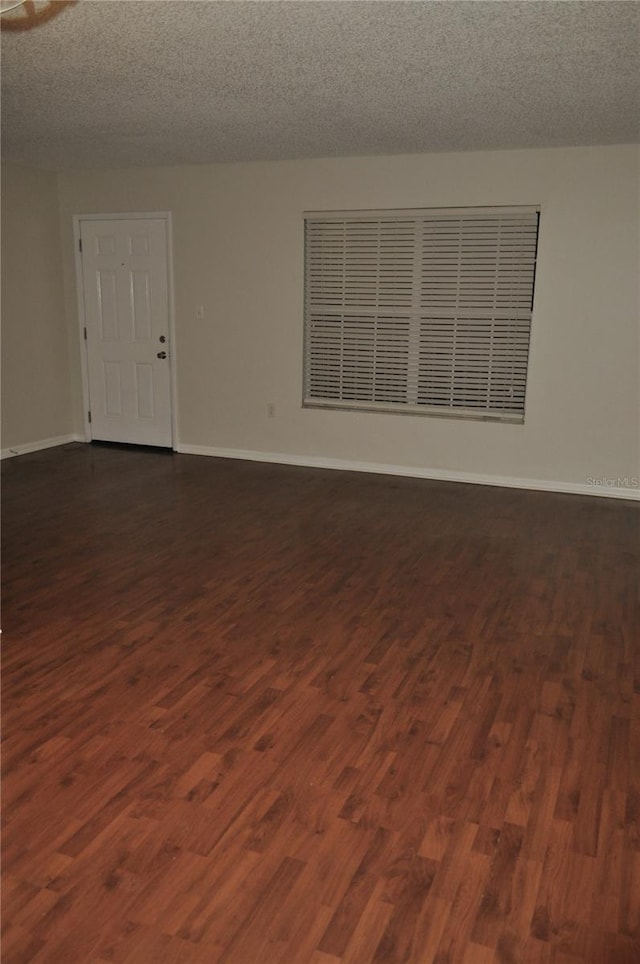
{"x": 421, "y": 216}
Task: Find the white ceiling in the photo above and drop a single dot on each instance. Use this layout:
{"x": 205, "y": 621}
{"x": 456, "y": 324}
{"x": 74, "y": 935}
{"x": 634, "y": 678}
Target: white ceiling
{"x": 146, "y": 82}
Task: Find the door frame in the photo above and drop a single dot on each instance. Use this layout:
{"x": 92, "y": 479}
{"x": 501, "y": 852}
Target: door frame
{"x": 84, "y": 363}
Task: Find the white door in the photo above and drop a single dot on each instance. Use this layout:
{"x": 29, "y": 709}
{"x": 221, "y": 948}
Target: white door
{"x": 125, "y": 281}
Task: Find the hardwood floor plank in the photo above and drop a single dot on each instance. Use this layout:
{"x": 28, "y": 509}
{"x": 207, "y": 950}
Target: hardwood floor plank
{"x": 258, "y": 714}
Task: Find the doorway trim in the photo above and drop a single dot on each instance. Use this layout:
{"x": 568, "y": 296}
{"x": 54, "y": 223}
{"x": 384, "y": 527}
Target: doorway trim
{"x": 84, "y": 365}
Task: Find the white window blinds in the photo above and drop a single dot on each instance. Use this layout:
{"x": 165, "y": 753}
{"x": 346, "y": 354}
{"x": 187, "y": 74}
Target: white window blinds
{"x": 420, "y": 311}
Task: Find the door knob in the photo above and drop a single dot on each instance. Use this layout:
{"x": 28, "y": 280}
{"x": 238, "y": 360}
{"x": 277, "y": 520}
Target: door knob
{"x": 162, "y": 339}
{"x": 162, "y": 354}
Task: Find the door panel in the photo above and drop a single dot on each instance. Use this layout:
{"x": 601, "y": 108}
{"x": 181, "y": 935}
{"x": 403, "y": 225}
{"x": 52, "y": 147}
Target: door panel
{"x": 124, "y": 268}
{"x": 144, "y": 390}
{"x": 112, "y": 388}
{"x": 108, "y": 305}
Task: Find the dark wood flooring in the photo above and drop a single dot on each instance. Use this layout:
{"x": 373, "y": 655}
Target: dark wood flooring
{"x": 258, "y": 714}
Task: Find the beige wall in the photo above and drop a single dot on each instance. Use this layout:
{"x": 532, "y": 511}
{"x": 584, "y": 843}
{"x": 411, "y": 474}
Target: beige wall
{"x": 238, "y": 234}
{"x": 36, "y": 384}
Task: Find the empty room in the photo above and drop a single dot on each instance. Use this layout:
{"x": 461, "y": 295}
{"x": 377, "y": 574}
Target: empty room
{"x": 320, "y": 482}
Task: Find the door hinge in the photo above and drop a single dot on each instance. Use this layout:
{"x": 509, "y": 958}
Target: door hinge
{"x": 80, "y": 244}
{"x": 89, "y": 416}
{"x": 85, "y": 334}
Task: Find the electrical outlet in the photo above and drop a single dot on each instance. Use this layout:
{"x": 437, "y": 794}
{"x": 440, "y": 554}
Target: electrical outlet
{"x": 271, "y": 409}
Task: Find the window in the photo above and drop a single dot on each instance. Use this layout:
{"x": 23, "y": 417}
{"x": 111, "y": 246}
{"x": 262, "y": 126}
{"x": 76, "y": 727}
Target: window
{"x": 425, "y": 311}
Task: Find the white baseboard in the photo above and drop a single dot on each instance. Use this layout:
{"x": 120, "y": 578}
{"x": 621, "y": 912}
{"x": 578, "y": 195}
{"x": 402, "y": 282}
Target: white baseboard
{"x": 442, "y": 475}
{"x": 45, "y": 443}
{"x": 377, "y": 468}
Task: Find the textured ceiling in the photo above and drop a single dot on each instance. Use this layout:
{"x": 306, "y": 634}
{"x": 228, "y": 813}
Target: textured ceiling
{"x": 186, "y": 81}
